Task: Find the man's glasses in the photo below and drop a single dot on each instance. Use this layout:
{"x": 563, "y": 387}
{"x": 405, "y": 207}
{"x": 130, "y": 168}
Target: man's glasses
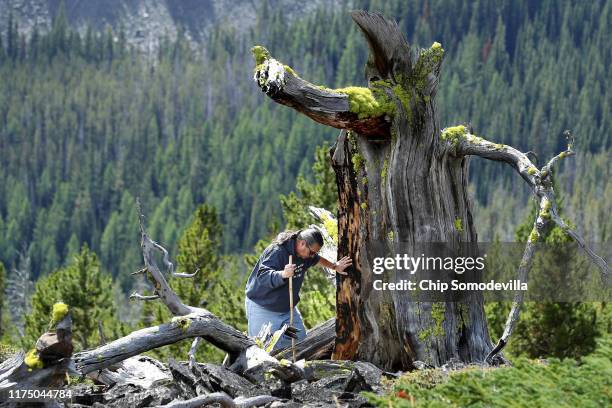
{"x": 311, "y": 253}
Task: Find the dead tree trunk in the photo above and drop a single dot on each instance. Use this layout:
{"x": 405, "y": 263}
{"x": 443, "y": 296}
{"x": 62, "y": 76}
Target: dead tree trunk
{"x": 400, "y": 180}
{"x": 396, "y": 183}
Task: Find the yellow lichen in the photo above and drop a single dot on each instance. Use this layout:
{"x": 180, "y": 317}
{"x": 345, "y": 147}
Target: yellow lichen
{"x": 260, "y": 53}
{"x": 532, "y": 171}
{"x": 429, "y": 59}
{"x": 357, "y": 160}
{"x": 60, "y": 310}
{"x": 182, "y": 322}
{"x": 458, "y": 224}
{"x": 453, "y": 134}
{"x": 365, "y": 103}
{"x": 331, "y": 226}
{"x": 438, "y": 310}
{"x": 290, "y": 70}
{"x": 385, "y": 169}
{"x": 436, "y": 47}
{"x": 374, "y": 101}
{"x": 534, "y": 236}
{"x": 545, "y": 212}
{"x": 32, "y": 359}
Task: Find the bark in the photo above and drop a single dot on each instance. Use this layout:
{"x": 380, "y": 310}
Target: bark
{"x": 405, "y": 183}
{"x": 322, "y": 105}
{"x": 317, "y": 345}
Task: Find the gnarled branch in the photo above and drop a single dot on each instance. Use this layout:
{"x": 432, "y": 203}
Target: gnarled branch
{"x": 460, "y": 142}
{"x": 138, "y": 296}
{"x": 389, "y": 49}
{"x": 327, "y": 106}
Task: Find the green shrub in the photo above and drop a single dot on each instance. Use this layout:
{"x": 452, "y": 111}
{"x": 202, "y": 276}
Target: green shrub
{"x": 558, "y": 383}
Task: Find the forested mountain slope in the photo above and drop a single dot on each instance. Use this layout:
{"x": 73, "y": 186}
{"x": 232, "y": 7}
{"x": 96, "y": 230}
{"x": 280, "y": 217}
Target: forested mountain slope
{"x": 144, "y": 21}
{"x": 87, "y": 123}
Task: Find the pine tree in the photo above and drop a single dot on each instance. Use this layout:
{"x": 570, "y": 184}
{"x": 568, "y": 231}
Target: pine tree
{"x": 216, "y": 286}
{"x": 86, "y": 289}
{"x": 2, "y": 298}
{"x": 551, "y": 329}
{"x": 323, "y": 193}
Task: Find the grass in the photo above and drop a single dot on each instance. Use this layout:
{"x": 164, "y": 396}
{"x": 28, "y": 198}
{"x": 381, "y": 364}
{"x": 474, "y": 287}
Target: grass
{"x": 6, "y": 351}
{"x": 529, "y": 383}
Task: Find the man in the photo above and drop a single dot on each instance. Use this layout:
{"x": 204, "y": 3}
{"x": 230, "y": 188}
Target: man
{"x": 267, "y": 289}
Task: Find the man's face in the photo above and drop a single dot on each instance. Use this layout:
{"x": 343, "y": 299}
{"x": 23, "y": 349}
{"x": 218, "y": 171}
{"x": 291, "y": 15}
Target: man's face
{"x": 304, "y": 251}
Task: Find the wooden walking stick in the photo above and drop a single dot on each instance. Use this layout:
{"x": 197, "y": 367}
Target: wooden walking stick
{"x": 291, "y": 309}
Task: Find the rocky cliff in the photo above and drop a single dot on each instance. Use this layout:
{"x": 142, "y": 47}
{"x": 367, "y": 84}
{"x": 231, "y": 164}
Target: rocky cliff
{"x": 144, "y": 21}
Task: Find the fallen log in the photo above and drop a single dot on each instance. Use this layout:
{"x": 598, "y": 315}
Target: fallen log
{"x": 318, "y": 344}
{"x": 204, "y": 325}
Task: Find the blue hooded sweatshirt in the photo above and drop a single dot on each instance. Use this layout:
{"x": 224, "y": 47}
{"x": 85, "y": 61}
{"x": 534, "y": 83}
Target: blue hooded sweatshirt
{"x": 267, "y": 287}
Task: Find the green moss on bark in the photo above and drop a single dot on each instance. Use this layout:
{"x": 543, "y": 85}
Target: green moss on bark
{"x": 453, "y": 134}
{"x": 260, "y": 53}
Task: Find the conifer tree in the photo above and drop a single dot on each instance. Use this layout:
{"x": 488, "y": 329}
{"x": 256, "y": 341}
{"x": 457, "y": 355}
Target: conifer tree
{"x": 551, "y": 329}
{"x": 87, "y": 290}
{"x": 217, "y": 285}
{"x": 2, "y": 297}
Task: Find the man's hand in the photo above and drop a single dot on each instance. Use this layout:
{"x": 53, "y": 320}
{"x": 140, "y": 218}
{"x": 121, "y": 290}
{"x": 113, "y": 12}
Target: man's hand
{"x": 288, "y": 271}
{"x": 291, "y": 332}
{"x": 342, "y": 264}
